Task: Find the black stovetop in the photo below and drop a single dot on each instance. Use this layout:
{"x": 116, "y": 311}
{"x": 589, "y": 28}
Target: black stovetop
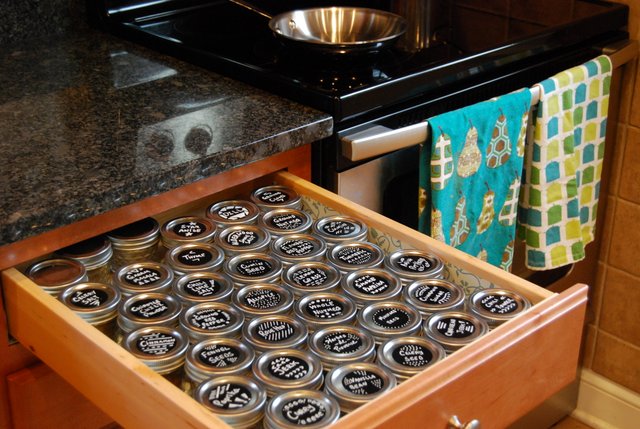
{"x": 473, "y": 39}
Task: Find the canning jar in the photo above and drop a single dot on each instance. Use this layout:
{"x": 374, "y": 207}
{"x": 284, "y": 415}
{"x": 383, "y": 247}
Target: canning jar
{"x": 135, "y": 242}
{"x": 262, "y": 299}
{"x": 238, "y": 239}
{"x": 496, "y": 306}
{"x": 250, "y": 268}
{"x": 211, "y": 319}
{"x": 287, "y": 369}
{"x": 187, "y": 229}
{"x": 276, "y": 197}
{"x": 414, "y": 264}
{"x": 198, "y": 287}
{"x": 454, "y": 329}
{"x": 281, "y": 222}
{"x": 311, "y": 409}
{"x": 295, "y": 248}
{"x": 147, "y": 309}
{"x": 143, "y": 277}
{"x": 274, "y": 332}
{"x": 338, "y": 229}
{"x": 96, "y": 303}
{"x": 308, "y": 277}
{"x": 95, "y": 254}
{"x": 369, "y": 285}
{"x": 233, "y": 212}
{"x": 407, "y": 356}
{"x": 338, "y": 345}
{"x": 355, "y": 255}
{"x": 56, "y": 274}
{"x": 322, "y": 309}
{"x": 389, "y": 319}
{"x": 429, "y": 296}
{"x": 194, "y": 257}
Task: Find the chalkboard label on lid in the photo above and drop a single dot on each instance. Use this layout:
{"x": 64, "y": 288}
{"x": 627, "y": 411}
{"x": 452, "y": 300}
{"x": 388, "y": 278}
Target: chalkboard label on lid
{"x": 262, "y": 299}
{"x": 339, "y": 228}
{"x": 194, "y": 257}
{"x": 229, "y": 396}
{"x": 142, "y": 276}
{"x": 324, "y": 308}
{"x": 202, "y": 287}
{"x": 156, "y": 343}
{"x": 354, "y": 255}
{"x": 219, "y": 355}
{"x": 412, "y": 355}
{"x": 370, "y": 284}
{"x": 210, "y": 319}
{"x": 241, "y": 238}
{"x": 414, "y": 264}
{"x": 499, "y": 304}
{"x": 342, "y": 343}
{"x": 309, "y": 277}
{"x": 296, "y": 247}
{"x": 233, "y": 212}
{"x": 304, "y": 411}
{"x": 454, "y": 327}
{"x": 275, "y": 331}
{"x": 287, "y": 221}
{"x": 88, "y": 298}
{"x": 274, "y": 197}
{"x": 189, "y": 229}
{"x": 151, "y": 308}
{"x": 288, "y": 368}
{"x": 432, "y": 294}
{"x": 254, "y": 267}
{"x": 362, "y": 382}
{"x": 391, "y": 318}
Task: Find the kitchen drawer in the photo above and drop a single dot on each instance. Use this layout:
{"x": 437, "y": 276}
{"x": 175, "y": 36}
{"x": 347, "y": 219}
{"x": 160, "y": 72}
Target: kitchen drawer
{"x": 496, "y": 379}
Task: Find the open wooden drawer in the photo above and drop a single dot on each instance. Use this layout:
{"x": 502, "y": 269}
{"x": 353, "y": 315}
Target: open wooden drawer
{"x": 496, "y": 379}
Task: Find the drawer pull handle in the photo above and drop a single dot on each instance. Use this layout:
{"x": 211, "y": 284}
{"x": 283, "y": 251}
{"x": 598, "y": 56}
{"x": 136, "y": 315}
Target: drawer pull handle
{"x": 455, "y": 423}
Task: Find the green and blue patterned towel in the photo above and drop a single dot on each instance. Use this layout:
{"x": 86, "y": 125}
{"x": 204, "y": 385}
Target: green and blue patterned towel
{"x": 470, "y": 176}
{"x": 563, "y": 165}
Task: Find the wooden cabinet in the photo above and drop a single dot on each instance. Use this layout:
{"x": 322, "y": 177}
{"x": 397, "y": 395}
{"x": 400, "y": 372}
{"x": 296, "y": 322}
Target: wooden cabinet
{"x": 496, "y": 379}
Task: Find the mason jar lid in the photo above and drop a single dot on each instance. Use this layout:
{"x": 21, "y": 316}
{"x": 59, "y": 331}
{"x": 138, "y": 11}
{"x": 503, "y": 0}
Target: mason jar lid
{"x": 187, "y": 229}
{"x": 281, "y": 222}
{"x": 355, "y": 255}
{"x": 296, "y": 248}
{"x": 321, "y": 309}
{"x": 161, "y": 348}
{"x": 369, "y": 285}
{"x": 204, "y": 286}
{"x": 407, "y": 356}
{"x": 355, "y": 384}
{"x": 148, "y": 309}
{"x": 92, "y": 253}
{"x": 143, "y": 277}
{"x": 287, "y": 369}
{"x": 238, "y": 400}
{"x": 137, "y": 235}
{"x": 454, "y": 329}
{"x": 262, "y": 299}
{"x": 338, "y": 229}
{"x": 275, "y": 197}
{"x": 211, "y": 319}
{"x": 313, "y": 276}
{"x": 243, "y": 238}
{"x": 414, "y": 264}
{"x": 94, "y": 302}
{"x": 247, "y": 268}
{"x": 193, "y": 257}
{"x": 274, "y": 332}
{"x": 432, "y": 295}
{"x": 233, "y": 212}
{"x": 496, "y": 306}
{"x": 215, "y": 357}
{"x": 337, "y": 345}
{"x": 389, "y": 319}
{"x": 311, "y": 409}
{"x": 56, "y": 274}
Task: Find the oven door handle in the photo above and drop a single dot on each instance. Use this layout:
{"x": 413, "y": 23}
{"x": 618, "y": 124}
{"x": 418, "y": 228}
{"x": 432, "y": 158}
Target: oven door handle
{"x": 378, "y": 140}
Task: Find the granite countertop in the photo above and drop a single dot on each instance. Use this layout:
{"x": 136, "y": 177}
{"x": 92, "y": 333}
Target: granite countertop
{"x": 89, "y": 123}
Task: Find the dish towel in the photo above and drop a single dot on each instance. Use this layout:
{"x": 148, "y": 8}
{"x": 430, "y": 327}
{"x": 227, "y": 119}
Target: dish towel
{"x": 563, "y": 165}
{"x": 470, "y": 175}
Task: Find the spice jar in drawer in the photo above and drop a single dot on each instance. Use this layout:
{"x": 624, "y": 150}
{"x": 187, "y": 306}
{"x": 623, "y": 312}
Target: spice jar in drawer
{"x": 311, "y": 409}
{"x": 187, "y": 229}
{"x": 251, "y": 268}
{"x": 454, "y": 329}
{"x": 340, "y": 229}
{"x": 338, "y": 345}
{"x": 143, "y": 277}
{"x": 281, "y": 222}
{"x": 262, "y": 299}
{"x": 309, "y": 277}
{"x": 198, "y": 287}
{"x": 496, "y": 306}
{"x": 429, "y": 296}
{"x": 244, "y": 238}
{"x": 274, "y": 332}
{"x": 414, "y": 264}
{"x": 95, "y": 254}
{"x": 369, "y": 285}
{"x": 211, "y": 320}
{"x": 296, "y": 248}
{"x": 135, "y": 242}
{"x": 274, "y": 197}
{"x": 321, "y": 309}
{"x": 147, "y": 309}
{"x": 355, "y": 255}
{"x": 56, "y": 274}
{"x": 96, "y": 303}
{"x": 233, "y": 212}
{"x": 287, "y": 369}
{"x": 194, "y": 257}
{"x": 407, "y": 356}
{"x": 390, "y": 319}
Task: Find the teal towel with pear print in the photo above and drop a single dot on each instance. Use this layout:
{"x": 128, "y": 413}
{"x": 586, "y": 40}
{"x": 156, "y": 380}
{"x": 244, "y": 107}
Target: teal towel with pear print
{"x": 470, "y": 175}
{"x": 563, "y": 165}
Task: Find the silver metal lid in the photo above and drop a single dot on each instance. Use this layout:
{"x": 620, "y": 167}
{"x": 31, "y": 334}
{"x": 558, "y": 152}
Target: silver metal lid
{"x": 211, "y": 319}
{"x": 407, "y": 356}
{"x": 194, "y": 288}
{"x": 94, "y": 302}
{"x": 414, "y": 264}
{"x": 275, "y": 197}
{"x": 311, "y": 409}
{"x": 274, "y": 332}
{"x": 321, "y": 309}
{"x": 243, "y": 238}
{"x": 143, "y": 277}
{"x": 56, "y": 274}
{"x": 288, "y": 369}
{"x": 339, "y": 229}
{"x": 263, "y": 299}
{"x": 355, "y": 255}
{"x": 309, "y": 277}
{"x": 369, "y": 285}
{"x": 148, "y": 309}
{"x": 389, "y": 319}
{"x": 337, "y": 345}
{"x": 92, "y": 253}
{"x": 193, "y": 257}
{"x": 237, "y": 400}
{"x": 161, "y": 348}
{"x": 281, "y": 222}
{"x": 295, "y": 248}
{"x": 432, "y": 295}
{"x": 187, "y": 229}
{"x": 233, "y": 212}
{"x": 355, "y": 384}
{"x": 216, "y": 357}
{"x": 496, "y": 306}
{"x": 137, "y": 235}
{"x": 248, "y": 268}
{"x": 454, "y": 329}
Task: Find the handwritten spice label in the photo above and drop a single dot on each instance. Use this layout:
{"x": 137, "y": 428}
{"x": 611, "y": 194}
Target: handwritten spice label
{"x": 432, "y": 294}
{"x": 414, "y": 264}
{"x": 156, "y": 343}
{"x": 287, "y": 221}
{"x": 233, "y": 212}
{"x": 194, "y": 257}
{"x": 298, "y": 247}
{"x": 453, "y": 327}
{"x": 288, "y": 368}
{"x": 202, "y": 287}
{"x": 254, "y": 267}
{"x": 275, "y": 331}
{"x": 412, "y": 355}
{"x": 230, "y": 396}
{"x": 304, "y": 411}
{"x": 241, "y": 238}
{"x": 274, "y": 197}
{"x": 88, "y": 298}
{"x": 219, "y": 355}
{"x": 499, "y": 304}
{"x": 309, "y": 277}
{"x": 262, "y": 299}
{"x": 324, "y": 308}
{"x": 151, "y": 308}
{"x": 362, "y": 382}
{"x": 339, "y": 228}
{"x": 189, "y": 229}
{"x": 342, "y": 343}
{"x": 391, "y": 318}
{"x": 370, "y": 285}
{"x": 354, "y": 255}
{"x": 142, "y": 276}
{"x": 211, "y": 319}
